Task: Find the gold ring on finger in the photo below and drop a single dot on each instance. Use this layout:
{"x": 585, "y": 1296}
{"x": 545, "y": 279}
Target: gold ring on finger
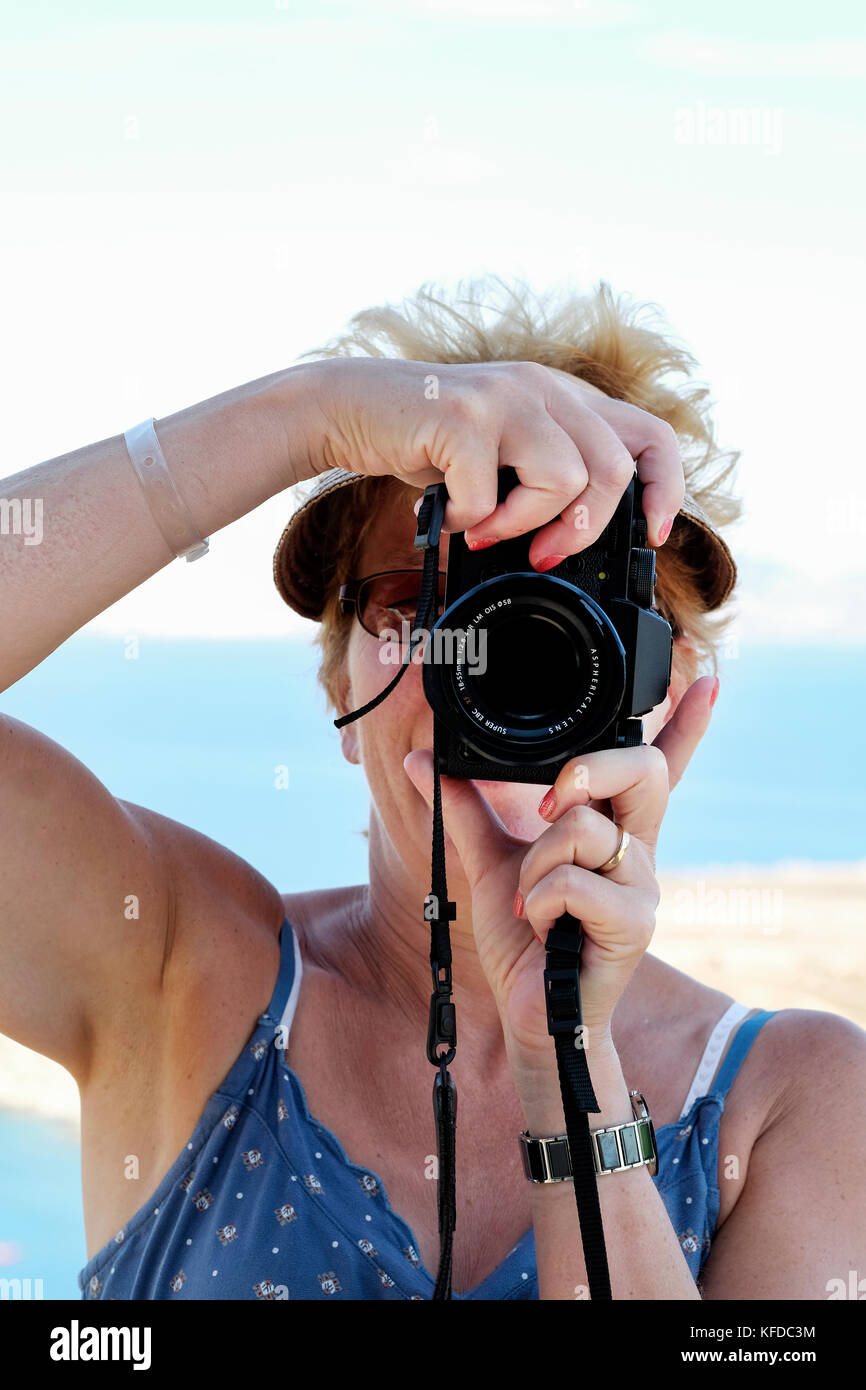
{"x": 617, "y": 857}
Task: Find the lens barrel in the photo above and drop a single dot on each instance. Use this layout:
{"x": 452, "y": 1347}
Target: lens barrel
{"x": 523, "y": 666}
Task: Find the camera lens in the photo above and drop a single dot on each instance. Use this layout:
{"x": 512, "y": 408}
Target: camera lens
{"x": 532, "y": 670}
{"x": 523, "y": 667}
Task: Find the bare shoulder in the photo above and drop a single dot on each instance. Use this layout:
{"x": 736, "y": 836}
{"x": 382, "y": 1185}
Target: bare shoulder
{"x": 808, "y": 1048}
{"x": 169, "y": 1048}
{"x": 222, "y": 910}
{"x": 802, "y": 1078}
{"x": 792, "y": 1217}
{"x": 160, "y": 1055}
{"x": 804, "y": 1071}
{"x": 817, "y": 1034}
{"x": 679, "y": 1014}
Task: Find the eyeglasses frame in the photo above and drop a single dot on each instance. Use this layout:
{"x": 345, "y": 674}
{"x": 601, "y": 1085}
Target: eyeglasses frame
{"x": 349, "y": 592}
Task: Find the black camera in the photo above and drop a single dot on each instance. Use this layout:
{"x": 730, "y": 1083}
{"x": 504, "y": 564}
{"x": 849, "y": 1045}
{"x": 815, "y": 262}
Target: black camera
{"x": 525, "y": 670}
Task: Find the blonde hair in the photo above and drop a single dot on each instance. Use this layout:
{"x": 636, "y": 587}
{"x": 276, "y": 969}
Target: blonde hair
{"x": 623, "y": 348}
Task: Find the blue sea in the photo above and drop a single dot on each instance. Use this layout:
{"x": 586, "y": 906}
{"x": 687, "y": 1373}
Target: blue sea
{"x": 41, "y": 1220}
{"x": 234, "y": 738}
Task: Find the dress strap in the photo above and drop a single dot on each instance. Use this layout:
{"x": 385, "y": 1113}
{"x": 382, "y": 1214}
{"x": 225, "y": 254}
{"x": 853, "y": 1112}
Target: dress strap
{"x": 284, "y": 999}
{"x": 737, "y": 1051}
{"x": 712, "y": 1052}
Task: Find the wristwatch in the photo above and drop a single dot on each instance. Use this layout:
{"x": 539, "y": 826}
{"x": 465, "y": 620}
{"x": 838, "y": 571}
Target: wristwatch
{"x": 614, "y": 1149}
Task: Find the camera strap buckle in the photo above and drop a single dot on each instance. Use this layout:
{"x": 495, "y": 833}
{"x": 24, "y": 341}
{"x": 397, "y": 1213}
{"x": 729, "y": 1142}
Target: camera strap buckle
{"x": 441, "y": 1029}
{"x": 562, "y": 978}
{"x": 562, "y": 992}
{"x": 430, "y": 516}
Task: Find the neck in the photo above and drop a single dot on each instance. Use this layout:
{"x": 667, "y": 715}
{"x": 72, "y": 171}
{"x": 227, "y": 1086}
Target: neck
{"x": 389, "y": 942}
{"x": 382, "y": 951}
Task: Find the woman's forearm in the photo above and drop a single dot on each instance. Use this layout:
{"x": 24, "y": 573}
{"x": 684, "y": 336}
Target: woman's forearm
{"x": 644, "y": 1256}
{"x": 99, "y": 540}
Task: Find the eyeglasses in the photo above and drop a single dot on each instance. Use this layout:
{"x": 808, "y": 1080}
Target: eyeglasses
{"x": 391, "y": 596}
{"x": 387, "y": 599}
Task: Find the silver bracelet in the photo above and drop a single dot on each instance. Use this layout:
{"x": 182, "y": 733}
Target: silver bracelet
{"x": 167, "y": 507}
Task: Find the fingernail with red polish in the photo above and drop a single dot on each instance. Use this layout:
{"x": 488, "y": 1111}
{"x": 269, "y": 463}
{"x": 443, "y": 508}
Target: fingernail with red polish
{"x": 547, "y": 803}
{"x": 665, "y": 529}
{"x": 549, "y": 562}
{"x": 482, "y": 544}
{"x": 518, "y": 904}
{"x": 715, "y": 693}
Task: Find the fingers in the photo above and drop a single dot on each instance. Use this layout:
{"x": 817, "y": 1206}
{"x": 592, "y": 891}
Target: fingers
{"x": 616, "y": 916}
{"x": 548, "y": 483}
{"x": 476, "y": 831}
{"x": 551, "y": 472}
{"x": 608, "y": 467}
{"x": 636, "y": 782}
{"x": 583, "y": 837}
{"x": 574, "y": 453}
{"x": 633, "y": 780}
{"x": 653, "y": 445}
{"x": 679, "y": 738}
{"x": 572, "y": 472}
{"x": 470, "y": 471}
{"x": 497, "y": 417}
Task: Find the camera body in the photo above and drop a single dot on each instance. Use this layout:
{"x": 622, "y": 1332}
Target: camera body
{"x": 525, "y": 671}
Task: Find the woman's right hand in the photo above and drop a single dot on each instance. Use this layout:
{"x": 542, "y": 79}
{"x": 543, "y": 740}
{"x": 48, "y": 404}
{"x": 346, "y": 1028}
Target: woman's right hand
{"x": 574, "y": 448}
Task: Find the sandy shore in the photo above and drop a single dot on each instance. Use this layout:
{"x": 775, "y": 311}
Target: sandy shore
{"x": 781, "y": 937}
{"x": 786, "y": 936}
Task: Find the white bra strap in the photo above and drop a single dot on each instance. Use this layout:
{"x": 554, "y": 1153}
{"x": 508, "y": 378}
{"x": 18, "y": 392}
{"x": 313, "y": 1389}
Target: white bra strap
{"x": 709, "y": 1062}
{"x": 292, "y": 1001}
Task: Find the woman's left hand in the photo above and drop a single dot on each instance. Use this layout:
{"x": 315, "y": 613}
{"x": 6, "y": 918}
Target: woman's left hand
{"x": 556, "y": 873}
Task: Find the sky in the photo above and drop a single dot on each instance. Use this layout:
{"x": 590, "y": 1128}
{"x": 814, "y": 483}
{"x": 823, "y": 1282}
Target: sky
{"x": 195, "y": 194}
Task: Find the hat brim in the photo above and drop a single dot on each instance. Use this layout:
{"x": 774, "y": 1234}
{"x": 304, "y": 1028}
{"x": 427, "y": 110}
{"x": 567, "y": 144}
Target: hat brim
{"x": 301, "y": 567}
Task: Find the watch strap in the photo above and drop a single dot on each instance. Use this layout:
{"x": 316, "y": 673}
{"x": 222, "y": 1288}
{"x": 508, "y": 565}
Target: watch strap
{"x": 615, "y": 1148}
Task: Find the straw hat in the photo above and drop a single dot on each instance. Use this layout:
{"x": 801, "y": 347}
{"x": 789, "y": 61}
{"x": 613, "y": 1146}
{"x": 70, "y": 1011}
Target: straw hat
{"x": 299, "y": 559}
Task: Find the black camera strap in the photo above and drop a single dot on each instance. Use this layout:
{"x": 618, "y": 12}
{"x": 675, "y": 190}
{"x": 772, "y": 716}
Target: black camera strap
{"x": 561, "y": 983}
{"x": 565, "y": 1025}
{"x": 442, "y": 1032}
{"x": 438, "y": 911}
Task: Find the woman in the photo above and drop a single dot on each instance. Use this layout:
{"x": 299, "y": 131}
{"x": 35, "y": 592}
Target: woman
{"x": 256, "y": 1117}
